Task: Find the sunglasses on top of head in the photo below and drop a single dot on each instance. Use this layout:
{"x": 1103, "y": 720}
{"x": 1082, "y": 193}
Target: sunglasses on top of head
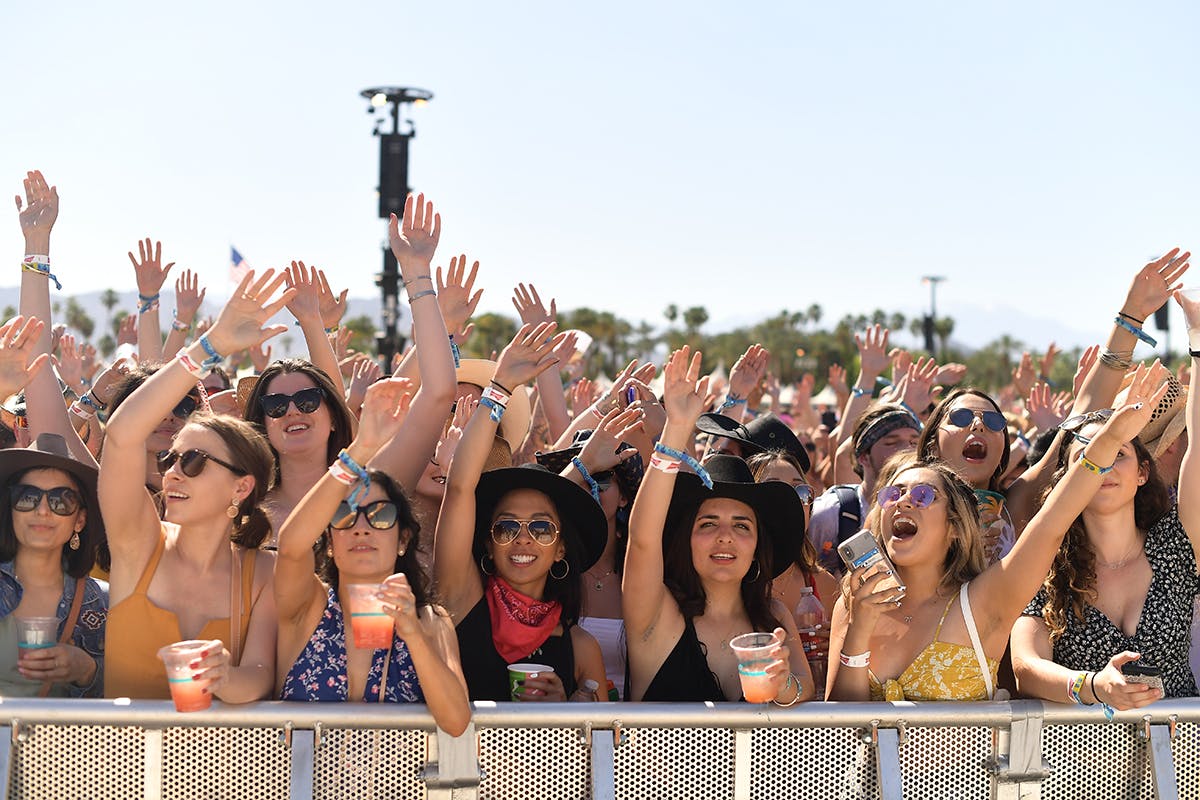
{"x": 920, "y": 495}
{"x": 381, "y": 515}
{"x": 62, "y": 500}
{"x": 963, "y": 417}
{"x": 506, "y": 531}
{"x": 191, "y": 462}
{"x": 306, "y": 401}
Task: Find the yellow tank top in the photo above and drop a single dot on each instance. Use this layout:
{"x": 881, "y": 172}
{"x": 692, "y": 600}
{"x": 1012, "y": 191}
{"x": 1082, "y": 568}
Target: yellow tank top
{"x": 942, "y": 671}
{"x": 137, "y": 628}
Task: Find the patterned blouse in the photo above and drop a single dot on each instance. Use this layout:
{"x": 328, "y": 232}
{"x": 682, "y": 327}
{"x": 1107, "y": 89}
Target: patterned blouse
{"x": 319, "y": 674}
{"x": 1163, "y": 632}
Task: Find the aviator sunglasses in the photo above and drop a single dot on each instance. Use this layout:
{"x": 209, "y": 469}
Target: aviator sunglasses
{"x": 963, "y": 417}
{"x": 307, "y": 401}
{"x": 63, "y": 500}
{"x": 1076, "y": 422}
{"x": 381, "y": 515}
{"x": 920, "y": 495}
{"x": 506, "y": 531}
{"x": 191, "y": 462}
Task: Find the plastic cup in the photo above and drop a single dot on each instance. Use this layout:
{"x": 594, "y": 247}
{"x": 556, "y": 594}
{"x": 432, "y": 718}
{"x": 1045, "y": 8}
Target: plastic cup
{"x": 755, "y": 652}
{"x": 35, "y": 633}
{"x": 517, "y": 673}
{"x": 185, "y": 691}
{"x": 372, "y": 628}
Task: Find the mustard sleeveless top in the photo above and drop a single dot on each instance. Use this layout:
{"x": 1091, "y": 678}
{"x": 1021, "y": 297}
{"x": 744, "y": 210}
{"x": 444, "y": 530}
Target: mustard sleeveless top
{"x": 942, "y": 671}
{"x": 137, "y": 628}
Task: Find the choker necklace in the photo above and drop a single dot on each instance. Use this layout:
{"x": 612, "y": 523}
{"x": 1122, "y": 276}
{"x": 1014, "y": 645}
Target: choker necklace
{"x": 599, "y": 582}
{"x": 1137, "y": 551}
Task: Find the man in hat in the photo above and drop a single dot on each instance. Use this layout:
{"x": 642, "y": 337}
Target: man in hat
{"x": 767, "y": 432}
{"x": 883, "y": 431}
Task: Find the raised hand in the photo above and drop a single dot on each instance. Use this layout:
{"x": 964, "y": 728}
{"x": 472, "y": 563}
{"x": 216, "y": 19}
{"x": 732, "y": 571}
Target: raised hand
{"x": 39, "y": 211}
{"x": 339, "y": 340}
{"x": 127, "y": 330}
{"x": 684, "y": 391}
{"x": 1154, "y": 283}
{"x": 837, "y": 379}
{"x": 872, "y": 351}
{"x": 1023, "y": 376}
{"x": 415, "y": 240}
{"x": 600, "y": 450}
{"x": 529, "y": 354}
{"x": 529, "y": 305}
{"x": 106, "y": 382}
{"x": 305, "y": 304}
{"x": 748, "y": 371}
{"x": 1042, "y": 410}
{"x": 950, "y": 374}
{"x": 456, "y": 296}
{"x": 260, "y": 356}
{"x": 582, "y": 395}
{"x": 70, "y": 361}
{"x": 333, "y": 306}
{"x": 188, "y": 296}
{"x": 240, "y": 323}
{"x": 444, "y": 454}
{"x": 901, "y": 360}
{"x": 400, "y": 604}
{"x": 920, "y": 392}
{"x": 383, "y": 411}
{"x": 19, "y": 359}
{"x": 366, "y": 372}
{"x": 148, "y": 268}
{"x": 1048, "y": 361}
{"x": 1148, "y": 387}
{"x": 1087, "y": 360}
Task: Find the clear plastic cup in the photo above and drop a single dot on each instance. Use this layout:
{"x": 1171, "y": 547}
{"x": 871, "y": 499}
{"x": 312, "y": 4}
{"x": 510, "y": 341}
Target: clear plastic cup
{"x": 188, "y": 694}
{"x": 372, "y": 628}
{"x": 517, "y": 673}
{"x": 35, "y": 633}
{"x": 755, "y": 651}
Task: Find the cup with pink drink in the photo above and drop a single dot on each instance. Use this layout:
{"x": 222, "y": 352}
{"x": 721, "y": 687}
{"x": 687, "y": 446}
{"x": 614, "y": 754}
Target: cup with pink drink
{"x": 370, "y": 624}
{"x": 186, "y": 691}
{"x": 755, "y": 652}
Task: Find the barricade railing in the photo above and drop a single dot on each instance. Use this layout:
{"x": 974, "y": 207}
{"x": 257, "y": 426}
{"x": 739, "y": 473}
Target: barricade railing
{"x": 1022, "y": 749}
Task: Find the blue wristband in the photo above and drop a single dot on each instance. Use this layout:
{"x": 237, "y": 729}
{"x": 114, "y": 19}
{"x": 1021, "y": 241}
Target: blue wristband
{"x": 587, "y": 477}
{"x": 454, "y": 352}
{"x": 497, "y": 410}
{"x": 364, "y": 479}
{"x": 214, "y": 358}
{"x": 1121, "y": 322}
{"x": 700, "y": 471}
{"x": 147, "y": 303}
{"x": 913, "y": 414}
{"x": 857, "y": 392}
{"x": 731, "y": 401}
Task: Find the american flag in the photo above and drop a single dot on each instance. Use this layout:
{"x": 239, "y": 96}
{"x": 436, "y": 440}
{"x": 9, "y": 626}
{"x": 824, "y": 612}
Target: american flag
{"x": 237, "y": 266}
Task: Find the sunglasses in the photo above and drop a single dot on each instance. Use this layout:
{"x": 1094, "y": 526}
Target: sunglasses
{"x": 191, "y": 462}
{"x": 603, "y": 480}
{"x": 805, "y": 493}
{"x": 1076, "y": 422}
{"x": 542, "y": 531}
{"x": 963, "y": 417}
{"x": 306, "y": 401}
{"x": 63, "y": 500}
{"x": 185, "y": 407}
{"x": 381, "y": 515}
{"x": 920, "y": 495}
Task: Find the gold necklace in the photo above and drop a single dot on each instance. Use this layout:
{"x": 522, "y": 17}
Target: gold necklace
{"x": 599, "y": 582}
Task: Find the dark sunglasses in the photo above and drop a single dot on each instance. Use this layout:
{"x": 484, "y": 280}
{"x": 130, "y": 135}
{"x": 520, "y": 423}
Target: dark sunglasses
{"x": 63, "y": 500}
{"x": 920, "y": 495}
{"x": 381, "y": 515}
{"x": 191, "y": 462}
{"x": 963, "y": 417}
{"x": 805, "y": 493}
{"x": 506, "y": 531}
{"x": 306, "y": 400}
{"x": 185, "y": 407}
{"x": 1076, "y": 422}
{"x": 603, "y": 480}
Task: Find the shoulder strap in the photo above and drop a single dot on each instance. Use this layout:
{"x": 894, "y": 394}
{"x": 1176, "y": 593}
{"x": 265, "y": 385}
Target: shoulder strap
{"x": 969, "y": 619}
{"x": 235, "y": 607}
{"x": 143, "y": 584}
{"x": 68, "y": 628}
{"x": 849, "y": 512}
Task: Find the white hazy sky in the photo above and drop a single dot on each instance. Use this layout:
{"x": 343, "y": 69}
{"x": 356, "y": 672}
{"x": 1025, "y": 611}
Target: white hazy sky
{"x": 745, "y": 156}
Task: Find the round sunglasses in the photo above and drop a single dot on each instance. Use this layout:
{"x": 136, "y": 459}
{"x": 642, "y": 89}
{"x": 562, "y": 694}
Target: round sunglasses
{"x": 920, "y": 495}
{"x": 381, "y": 515}
{"x": 963, "y": 417}
{"x": 191, "y": 462}
{"x": 506, "y": 531}
{"x": 62, "y": 500}
{"x": 306, "y": 401}
{"x": 805, "y": 493}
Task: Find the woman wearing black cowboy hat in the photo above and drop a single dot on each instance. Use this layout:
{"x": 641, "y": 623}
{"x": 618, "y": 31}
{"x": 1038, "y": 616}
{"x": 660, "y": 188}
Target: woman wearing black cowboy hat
{"x": 699, "y": 565}
{"x": 510, "y": 550}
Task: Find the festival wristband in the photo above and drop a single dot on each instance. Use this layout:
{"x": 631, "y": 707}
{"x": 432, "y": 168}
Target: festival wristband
{"x": 496, "y": 395}
{"x": 1092, "y": 466}
{"x": 679, "y": 455}
{"x": 667, "y": 465}
{"x": 214, "y": 358}
{"x": 1121, "y": 322}
{"x": 196, "y": 369}
{"x": 41, "y": 266}
{"x": 731, "y": 401}
{"x": 858, "y": 662}
{"x": 587, "y": 477}
{"x": 496, "y": 409}
{"x": 1075, "y": 686}
{"x": 360, "y": 472}
{"x": 80, "y": 409}
{"x": 147, "y": 302}
{"x": 455, "y": 352}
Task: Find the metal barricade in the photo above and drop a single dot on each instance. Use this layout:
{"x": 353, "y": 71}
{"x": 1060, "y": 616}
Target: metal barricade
{"x": 1025, "y": 749}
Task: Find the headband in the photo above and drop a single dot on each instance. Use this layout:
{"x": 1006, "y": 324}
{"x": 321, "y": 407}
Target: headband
{"x": 882, "y": 426}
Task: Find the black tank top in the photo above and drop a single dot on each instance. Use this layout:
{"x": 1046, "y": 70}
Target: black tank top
{"x": 684, "y": 676}
{"x": 486, "y": 671}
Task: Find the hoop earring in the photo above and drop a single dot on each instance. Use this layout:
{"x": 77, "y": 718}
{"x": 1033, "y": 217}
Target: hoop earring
{"x": 74, "y": 543}
{"x": 566, "y": 571}
{"x": 757, "y": 574}
{"x": 483, "y": 568}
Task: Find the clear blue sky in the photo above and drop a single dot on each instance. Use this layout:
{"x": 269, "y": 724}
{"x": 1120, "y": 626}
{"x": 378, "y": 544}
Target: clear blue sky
{"x": 743, "y": 156}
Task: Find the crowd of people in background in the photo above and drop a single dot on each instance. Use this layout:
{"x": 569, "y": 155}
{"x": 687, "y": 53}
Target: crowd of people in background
{"x": 916, "y": 539}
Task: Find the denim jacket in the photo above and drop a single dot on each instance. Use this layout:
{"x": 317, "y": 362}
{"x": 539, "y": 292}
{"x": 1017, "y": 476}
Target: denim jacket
{"x": 89, "y": 628}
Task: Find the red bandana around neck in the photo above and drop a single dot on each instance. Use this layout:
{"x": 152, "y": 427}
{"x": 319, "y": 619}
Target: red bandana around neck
{"x": 520, "y": 624}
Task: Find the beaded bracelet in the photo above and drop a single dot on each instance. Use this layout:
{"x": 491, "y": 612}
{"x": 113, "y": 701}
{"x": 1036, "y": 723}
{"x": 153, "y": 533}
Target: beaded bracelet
{"x": 41, "y": 266}
{"x": 859, "y": 661}
{"x": 587, "y": 477}
{"x": 790, "y": 680}
{"x": 679, "y": 455}
{"x": 364, "y": 479}
{"x": 1121, "y": 322}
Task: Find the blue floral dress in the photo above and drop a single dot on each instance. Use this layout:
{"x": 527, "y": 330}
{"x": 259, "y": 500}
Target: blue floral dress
{"x": 319, "y": 674}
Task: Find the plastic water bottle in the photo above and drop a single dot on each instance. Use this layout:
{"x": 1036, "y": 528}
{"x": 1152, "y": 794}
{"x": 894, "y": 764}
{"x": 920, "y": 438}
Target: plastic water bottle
{"x": 810, "y": 616}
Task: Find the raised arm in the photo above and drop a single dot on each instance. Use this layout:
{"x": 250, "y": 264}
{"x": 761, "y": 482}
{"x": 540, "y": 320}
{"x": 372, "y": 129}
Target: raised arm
{"x": 413, "y": 243}
{"x": 189, "y": 296}
{"x": 306, "y": 308}
{"x": 151, "y": 275}
{"x": 549, "y": 384}
{"x": 454, "y": 568}
{"x": 1189, "y": 470}
{"x": 643, "y": 593}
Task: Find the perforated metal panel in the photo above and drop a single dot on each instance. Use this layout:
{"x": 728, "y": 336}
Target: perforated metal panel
{"x": 534, "y": 763}
{"x": 369, "y": 765}
{"x": 1096, "y": 761}
{"x": 92, "y": 761}
{"x": 1185, "y": 749}
{"x": 675, "y": 764}
{"x": 947, "y": 762}
{"x": 225, "y": 764}
{"x": 806, "y": 763}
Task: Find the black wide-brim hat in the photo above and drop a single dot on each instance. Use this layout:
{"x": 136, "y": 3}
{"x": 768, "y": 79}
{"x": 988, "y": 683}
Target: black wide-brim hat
{"x": 766, "y": 432}
{"x": 628, "y": 473}
{"x": 50, "y": 451}
{"x": 777, "y": 508}
{"x": 581, "y": 520}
